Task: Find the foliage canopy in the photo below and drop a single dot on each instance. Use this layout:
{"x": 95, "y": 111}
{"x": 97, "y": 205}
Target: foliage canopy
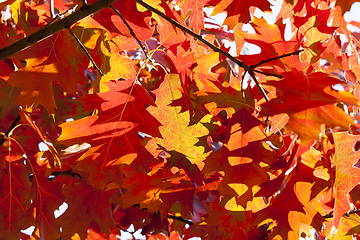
{"x": 155, "y": 115}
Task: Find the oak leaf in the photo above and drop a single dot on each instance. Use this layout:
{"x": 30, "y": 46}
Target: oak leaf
{"x": 115, "y": 123}
{"x": 196, "y": 19}
{"x": 46, "y": 198}
{"x": 239, "y": 11}
{"x": 172, "y": 120}
{"x": 295, "y": 198}
{"x": 347, "y": 172}
{"x": 87, "y": 207}
{"x": 14, "y": 194}
{"x": 240, "y": 158}
{"x": 54, "y": 59}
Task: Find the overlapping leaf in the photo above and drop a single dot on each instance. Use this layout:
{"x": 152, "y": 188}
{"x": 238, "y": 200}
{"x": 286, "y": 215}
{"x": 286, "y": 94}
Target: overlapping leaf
{"x": 15, "y": 193}
{"x": 239, "y": 11}
{"x": 55, "y": 59}
{"x": 46, "y": 198}
{"x": 317, "y": 97}
{"x": 174, "y": 121}
{"x": 240, "y": 158}
{"x": 122, "y": 115}
{"x": 347, "y": 175}
{"x": 295, "y": 199}
{"x": 88, "y": 207}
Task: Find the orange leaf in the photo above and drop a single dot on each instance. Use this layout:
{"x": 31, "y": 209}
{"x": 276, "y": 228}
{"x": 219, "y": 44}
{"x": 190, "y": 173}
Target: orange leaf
{"x": 52, "y": 60}
{"x": 239, "y": 10}
{"x": 347, "y": 172}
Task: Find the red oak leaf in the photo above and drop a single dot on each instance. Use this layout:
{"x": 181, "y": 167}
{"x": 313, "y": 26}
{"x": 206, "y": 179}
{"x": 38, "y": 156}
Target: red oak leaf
{"x": 87, "y": 208}
{"x": 46, "y": 198}
{"x": 196, "y": 19}
{"x": 15, "y": 193}
{"x": 312, "y": 90}
{"x": 240, "y": 158}
{"x": 115, "y": 122}
{"x": 293, "y": 206}
{"x": 239, "y": 11}
{"x": 53, "y": 59}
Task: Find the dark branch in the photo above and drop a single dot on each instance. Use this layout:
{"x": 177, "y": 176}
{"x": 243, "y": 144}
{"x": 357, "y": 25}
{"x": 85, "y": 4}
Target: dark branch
{"x": 57, "y": 26}
{"x": 68, "y": 173}
{"x": 180, "y": 219}
{"x": 168, "y": 216}
{"x": 297, "y": 52}
{"x": 258, "y": 85}
{"x": 131, "y": 30}
{"x": 86, "y": 52}
{"x": 330, "y": 215}
{"x": 201, "y": 39}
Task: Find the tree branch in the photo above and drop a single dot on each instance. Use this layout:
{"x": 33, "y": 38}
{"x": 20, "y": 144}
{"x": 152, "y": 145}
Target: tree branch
{"x": 130, "y": 29}
{"x": 55, "y": 27}
{"x": 180, "y": 219}
{"x": 86, "y": 52}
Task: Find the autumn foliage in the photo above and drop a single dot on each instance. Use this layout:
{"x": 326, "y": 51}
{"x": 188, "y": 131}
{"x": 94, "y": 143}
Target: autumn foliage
{"x": 179, "y": 133}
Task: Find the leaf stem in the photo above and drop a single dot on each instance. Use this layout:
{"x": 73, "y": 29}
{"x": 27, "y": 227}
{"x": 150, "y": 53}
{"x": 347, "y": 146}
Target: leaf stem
{"x": 86, "y": 52}
{"x": 130, "y": 29}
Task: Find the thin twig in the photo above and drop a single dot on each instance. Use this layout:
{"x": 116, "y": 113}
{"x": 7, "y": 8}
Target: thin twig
{"x": 86, "y": 52}
{"x": 180, "y": 219}
{"x": 297, "y": 52}
{"x": 242, "y": 80}
{"x": 68, "y": 173}
{"x": 201, "y": 39}
{"x": 330, "y": 215}
{"x": 130, "y": 29}
{"x": 258, "y": 85}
